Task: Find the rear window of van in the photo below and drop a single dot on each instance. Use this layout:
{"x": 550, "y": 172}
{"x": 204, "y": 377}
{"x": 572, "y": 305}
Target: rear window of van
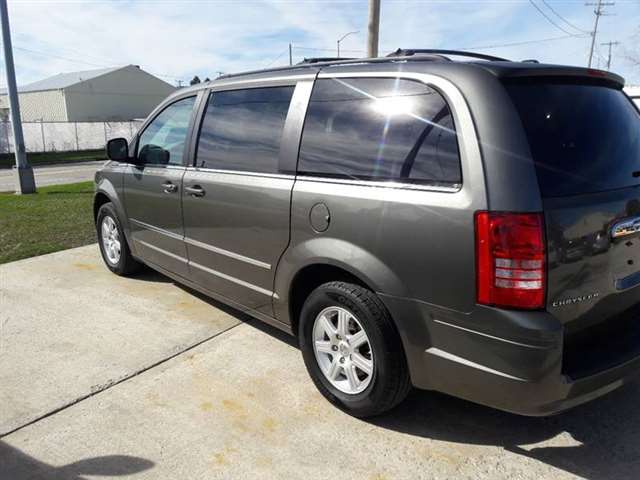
{"x": 583, "y": 138}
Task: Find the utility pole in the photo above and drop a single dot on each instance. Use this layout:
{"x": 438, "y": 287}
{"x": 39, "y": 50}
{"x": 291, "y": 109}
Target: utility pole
{"x": 374, "y": 28}
{"x": 599, "y": 11}
{"x": 609, "y": 44}
{"x": 342, "y": 38}
{"x": 25, "y": 183}
{"x": 290, "y": 54}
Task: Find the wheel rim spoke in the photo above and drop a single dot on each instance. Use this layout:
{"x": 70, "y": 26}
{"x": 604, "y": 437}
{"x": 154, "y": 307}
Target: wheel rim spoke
{"x": 358, "y": 339}
{"x": 323, "y": 346}
{"x": 334, "y": 369}
{"x": 343, "y": 322}
{"x": 352, "y": 378}
{"x": 364, "y": 364}
{"x": 328, "y": 327}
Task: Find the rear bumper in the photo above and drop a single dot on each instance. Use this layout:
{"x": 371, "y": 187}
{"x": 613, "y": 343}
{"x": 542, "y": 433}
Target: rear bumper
{"x": 510, "y": 360}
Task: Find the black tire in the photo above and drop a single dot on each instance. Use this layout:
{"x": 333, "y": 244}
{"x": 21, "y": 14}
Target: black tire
{"x": 126, "y": 264}
{"x": 390, "y": 382}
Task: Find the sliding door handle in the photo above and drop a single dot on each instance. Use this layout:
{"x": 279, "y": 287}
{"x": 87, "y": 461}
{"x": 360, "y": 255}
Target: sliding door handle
{"x": 195, "y": 191}
{"x": 169, "y": 187}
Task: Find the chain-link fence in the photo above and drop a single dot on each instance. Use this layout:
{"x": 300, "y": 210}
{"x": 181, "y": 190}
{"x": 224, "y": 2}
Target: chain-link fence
{"x": 66, "y": 136}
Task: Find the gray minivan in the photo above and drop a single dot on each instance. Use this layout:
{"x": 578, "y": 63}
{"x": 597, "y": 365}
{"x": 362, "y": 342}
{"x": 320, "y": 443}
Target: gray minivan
{"x": 470, "y": 227}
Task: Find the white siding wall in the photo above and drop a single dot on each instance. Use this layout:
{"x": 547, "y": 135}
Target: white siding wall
{"x": 66, "y": 136}
{"x": 46, "y": 106}
{"x": 634, "y": 92}
{"x": 121, "y": 95}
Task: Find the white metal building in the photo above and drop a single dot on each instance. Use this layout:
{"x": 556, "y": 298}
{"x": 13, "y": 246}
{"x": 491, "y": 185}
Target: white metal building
{"x": 111, "y": 94}
{"x": 634, "y": 92}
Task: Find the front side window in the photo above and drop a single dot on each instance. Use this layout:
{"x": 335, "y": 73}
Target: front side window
{"x": 379, "y": 129}
{"x": 242, "y": 129}
{"x": 163, "y": 141}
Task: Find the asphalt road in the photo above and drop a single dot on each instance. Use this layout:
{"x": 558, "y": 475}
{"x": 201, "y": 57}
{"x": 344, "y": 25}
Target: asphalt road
{"x": 53, "y": 174}
{"x": 106, "y": 377}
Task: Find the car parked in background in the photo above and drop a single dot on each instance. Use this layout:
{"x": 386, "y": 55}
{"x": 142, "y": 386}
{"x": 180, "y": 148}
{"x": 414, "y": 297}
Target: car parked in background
{"x": 469, "y": 227}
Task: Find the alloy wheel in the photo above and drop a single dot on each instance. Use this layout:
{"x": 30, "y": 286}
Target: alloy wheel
{"x": 342, "y": 350}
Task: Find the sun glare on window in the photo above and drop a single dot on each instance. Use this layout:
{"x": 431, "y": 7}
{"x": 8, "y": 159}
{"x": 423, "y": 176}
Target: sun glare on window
{"x": 391, "y": 106}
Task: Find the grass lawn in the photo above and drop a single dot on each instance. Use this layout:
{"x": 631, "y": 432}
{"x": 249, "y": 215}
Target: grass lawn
{"x": 49, "y": 158}
{"x": 55, "y": 218}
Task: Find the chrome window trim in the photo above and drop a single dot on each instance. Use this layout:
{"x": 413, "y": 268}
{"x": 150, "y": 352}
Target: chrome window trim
{"x": 320, "y": 178}
{"x": 235, "y": 280}
{"x": 283, "y": 176}
{"x": 219, "y": 85}
{"x": 379, "y": 183}
{"x": 157, "y": 166}
{"x": 227, "y": 253}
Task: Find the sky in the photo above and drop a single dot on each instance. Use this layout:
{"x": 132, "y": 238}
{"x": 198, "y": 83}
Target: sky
{"x": 177, "y": 39}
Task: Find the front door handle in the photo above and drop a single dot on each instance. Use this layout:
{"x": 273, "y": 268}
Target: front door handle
{"x": 169, "y": 187}
{"x": 195, "y": 191}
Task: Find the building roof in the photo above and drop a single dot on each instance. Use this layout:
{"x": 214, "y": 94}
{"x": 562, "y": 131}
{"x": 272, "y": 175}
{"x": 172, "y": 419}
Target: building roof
{"x": 633, "y": 91}
{"x": 63, "y": 80}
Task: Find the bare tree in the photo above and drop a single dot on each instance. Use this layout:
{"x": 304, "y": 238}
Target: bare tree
{"x": 632, "y": 55}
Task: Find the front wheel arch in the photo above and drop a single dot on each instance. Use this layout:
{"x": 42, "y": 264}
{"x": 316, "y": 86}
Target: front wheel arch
{"x": 99, "y": 199}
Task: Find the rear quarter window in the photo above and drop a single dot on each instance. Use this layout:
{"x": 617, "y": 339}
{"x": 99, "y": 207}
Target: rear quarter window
{"x": 583, "y": 138}
{"x": 380, "y": 129}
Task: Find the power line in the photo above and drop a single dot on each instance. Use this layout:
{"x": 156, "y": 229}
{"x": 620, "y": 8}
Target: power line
{"x": 84, "y": 62}
{"x": 549, "y": 19}
{"x": 562, "y": 18}
{"x": 276, "y": 59}
{"x": 327, "y": 49}
{"x": 475, "y": 47}
{"x": 524, "y": 42}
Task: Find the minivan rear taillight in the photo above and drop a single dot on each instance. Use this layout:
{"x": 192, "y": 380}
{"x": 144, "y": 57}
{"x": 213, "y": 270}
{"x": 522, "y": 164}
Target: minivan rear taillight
{"x": 510, "y": 259}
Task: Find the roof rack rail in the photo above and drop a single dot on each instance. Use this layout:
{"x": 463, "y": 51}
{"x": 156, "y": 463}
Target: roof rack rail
{"x": 342, "y": 61}
{"x": 408, "y": 52}
{"x": 307, "y": 61}
{"x": 400, "y": 55}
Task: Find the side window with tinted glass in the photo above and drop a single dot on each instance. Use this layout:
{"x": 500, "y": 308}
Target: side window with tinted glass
{"x": 163, "y": 141}
{"x": 380, "y": 129}
{"x": 242, "y": 129}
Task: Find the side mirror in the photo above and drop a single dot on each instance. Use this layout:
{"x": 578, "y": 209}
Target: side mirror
{"x": 118, "y": 149}
{"x": 154, "y": 155}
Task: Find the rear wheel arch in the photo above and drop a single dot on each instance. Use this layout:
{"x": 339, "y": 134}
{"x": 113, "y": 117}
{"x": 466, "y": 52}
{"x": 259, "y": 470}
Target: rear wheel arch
{"x": 310, "y": 277}
{"x": 386, "y": 375}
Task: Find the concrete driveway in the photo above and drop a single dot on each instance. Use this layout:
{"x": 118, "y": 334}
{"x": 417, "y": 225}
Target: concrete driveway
{"x": 54, "y": 174}
{"x": 105, "y": 377}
